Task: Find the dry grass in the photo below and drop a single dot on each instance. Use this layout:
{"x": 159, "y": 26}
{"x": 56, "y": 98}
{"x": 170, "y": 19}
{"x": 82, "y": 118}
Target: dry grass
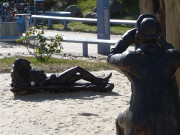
{"x": 54, "y": 65}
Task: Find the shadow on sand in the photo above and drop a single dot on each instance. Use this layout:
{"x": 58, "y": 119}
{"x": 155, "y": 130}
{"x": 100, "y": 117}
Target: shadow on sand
{"x": 39, "y": 97}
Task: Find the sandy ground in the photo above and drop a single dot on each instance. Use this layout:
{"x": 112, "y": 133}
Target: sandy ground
{"x": 78, "y": 113}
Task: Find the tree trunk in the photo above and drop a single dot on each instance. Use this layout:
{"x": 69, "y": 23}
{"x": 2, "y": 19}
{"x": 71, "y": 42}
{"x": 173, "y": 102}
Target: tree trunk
{"x": 173, "y": 27}
{"x": 168, "y": 13}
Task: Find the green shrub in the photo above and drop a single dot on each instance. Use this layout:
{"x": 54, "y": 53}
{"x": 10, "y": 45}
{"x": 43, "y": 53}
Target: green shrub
{"x": 42, "y": 49}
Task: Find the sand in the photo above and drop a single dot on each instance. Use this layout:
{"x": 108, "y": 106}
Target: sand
{"x": 78, "y": 113}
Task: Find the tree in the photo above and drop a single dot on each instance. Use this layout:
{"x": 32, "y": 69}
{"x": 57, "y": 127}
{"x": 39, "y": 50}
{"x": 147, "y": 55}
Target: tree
{"x": 168, "y": 13}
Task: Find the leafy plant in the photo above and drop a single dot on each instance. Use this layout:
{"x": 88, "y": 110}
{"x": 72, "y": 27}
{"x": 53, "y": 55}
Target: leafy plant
{"x": 43, "y": 48}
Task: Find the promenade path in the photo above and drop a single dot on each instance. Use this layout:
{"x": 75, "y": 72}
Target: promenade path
{"x": 9, "y": 49}
{"x": 77, "y": 47}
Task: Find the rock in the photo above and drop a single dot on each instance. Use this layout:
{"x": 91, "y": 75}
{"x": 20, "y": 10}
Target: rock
{"x": 75, "y": 11}
{"x": 61, "y": 4}
{"x": 95, "y": 10}
{"x": 115, "y": 8}
{"x": 68, "y": 2}
{"x": 56, "y": 6}
{"x": 90, "y": 15}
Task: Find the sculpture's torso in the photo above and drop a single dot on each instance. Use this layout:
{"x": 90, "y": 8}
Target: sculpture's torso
{"x": 153, "y": 89}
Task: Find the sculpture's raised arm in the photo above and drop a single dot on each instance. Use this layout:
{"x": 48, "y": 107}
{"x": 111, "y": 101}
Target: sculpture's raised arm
{"x": 127, "y": 39}
{"x": 116, "y": 59}
{"x": 164, "y": 44}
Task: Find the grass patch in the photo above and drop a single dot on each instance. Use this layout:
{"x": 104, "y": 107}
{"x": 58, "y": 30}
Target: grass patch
{"x": 86, "y": 6}
{"x": 54, "y": 65}
{"x": 80, "y": 27}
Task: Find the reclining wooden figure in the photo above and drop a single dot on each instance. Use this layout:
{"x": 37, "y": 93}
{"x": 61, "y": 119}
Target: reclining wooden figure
{"x": 26, "y": 80}
{"x": 155, "y": 104}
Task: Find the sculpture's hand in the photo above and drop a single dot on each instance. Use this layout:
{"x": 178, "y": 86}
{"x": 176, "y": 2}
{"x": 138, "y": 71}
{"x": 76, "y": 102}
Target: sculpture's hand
{"x": 127, "y": 39}
{"x": 164, "y": 44}
{"x": 51, "y": 79}
{"x": 53, "y": 76}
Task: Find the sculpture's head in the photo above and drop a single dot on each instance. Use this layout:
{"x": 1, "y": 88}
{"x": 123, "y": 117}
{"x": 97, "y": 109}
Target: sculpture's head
{"x": 21, "y": 64}
{"x": 148, "y": 28}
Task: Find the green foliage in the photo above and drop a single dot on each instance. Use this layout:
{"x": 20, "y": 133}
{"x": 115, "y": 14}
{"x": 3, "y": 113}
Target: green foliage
{"x": 86, "y": 5}
{"x": 43, "y": 49}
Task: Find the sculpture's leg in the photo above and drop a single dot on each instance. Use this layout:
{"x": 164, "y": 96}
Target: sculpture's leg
{"x": 91, "y": 78}
{"x": 74, "y": 78}
{"x": 119, "y": 130}
{"x": 123, "y": 123}
{"x": 72, "y": 75}
{"x": 84, "y": 74}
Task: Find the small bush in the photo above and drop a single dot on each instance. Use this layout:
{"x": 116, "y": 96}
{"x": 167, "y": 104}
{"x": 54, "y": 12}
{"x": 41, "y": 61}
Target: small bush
{"x": 43, "y": 49}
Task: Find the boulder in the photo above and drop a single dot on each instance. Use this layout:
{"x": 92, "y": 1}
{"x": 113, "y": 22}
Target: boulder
{"x": 90, "y": 15}
{"x": 115, "y": 8}
{"x": 95, "y": 10}
{"x": 56, "y": 6}
{"x": 75, "y": 11}
{"x": 68, "y": 2}
{"x": 59, "y": 4}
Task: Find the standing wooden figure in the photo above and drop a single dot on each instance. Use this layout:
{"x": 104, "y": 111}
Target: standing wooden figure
{"x": 155, "y": 105}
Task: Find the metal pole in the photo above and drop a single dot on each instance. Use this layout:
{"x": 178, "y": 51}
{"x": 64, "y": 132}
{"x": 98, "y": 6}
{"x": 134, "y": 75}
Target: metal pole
{"x": 103, "y": 25}
{"x": 35, "y": 20}
{"x": 85, "y": 49}
{"x": 2, "y": 11}
{"x": 28, "y": 7}
{"x": 35, "y": 4}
